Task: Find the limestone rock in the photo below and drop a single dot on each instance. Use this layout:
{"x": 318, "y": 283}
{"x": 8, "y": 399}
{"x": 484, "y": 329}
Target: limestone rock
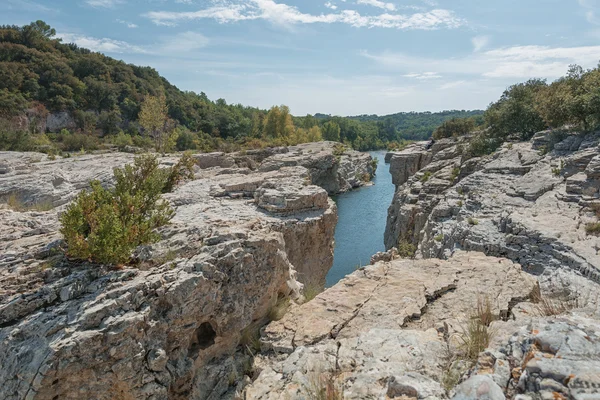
{"x": 515, "y": 203}
{"x": 239, "y": 241}
{"x": 375, "y": 332}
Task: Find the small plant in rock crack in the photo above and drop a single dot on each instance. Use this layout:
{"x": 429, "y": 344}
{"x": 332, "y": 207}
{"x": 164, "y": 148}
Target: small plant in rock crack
{"x": 455, "y": 174}
{"x": 472, "y": 221}
{"x": 593, "y": 228}
{"x": 477, "y": 335}
{"x": 439, "y": 238}
{"x": 426, "y": 176}
{"x": 322, "y": 385}
{"x": 558, "y": 170}
{"x": 278, "y": 310}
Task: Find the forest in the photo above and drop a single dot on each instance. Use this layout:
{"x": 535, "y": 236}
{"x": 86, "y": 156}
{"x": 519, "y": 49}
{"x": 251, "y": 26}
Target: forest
{"x": 105, "y": 97}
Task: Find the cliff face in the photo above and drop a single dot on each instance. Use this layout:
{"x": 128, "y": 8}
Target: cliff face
{"x": 383, "y": 330}
{"x": 243, "y": 237}
{"x": 516, "y": 203}
{"x": 499, "y": 238}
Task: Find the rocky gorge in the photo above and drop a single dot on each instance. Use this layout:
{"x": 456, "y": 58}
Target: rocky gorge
{"x": 250, "y": 230}
{"x": 500, "y": 237}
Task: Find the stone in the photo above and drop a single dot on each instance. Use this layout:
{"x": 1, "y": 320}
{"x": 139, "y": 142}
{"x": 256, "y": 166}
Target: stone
{"x": 169, "y": 328}
{"x": 378, "y": 325}
{"x": 500, "y": 205}
{"x": 479, "y": 387}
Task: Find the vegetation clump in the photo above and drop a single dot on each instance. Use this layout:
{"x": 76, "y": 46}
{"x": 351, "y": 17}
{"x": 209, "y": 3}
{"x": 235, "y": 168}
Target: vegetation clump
{"x": 593, "y": 228}
{"x": 477, "y": 335}
{"x": 426, "y": 176}
{"x": 406, "y": 249}
{"x": 105, "y": 225}
{"x": 454, "y": 127}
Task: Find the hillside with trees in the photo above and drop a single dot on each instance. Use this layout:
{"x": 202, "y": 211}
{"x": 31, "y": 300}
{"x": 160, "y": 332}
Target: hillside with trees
{"x": 571, "y": 103}
{"x": 109, "y": 101}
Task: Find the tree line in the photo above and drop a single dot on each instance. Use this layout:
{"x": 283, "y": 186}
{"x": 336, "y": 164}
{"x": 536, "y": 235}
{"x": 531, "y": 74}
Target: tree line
{"x": 106, "y": 98}
{"x": 572, "y": 102}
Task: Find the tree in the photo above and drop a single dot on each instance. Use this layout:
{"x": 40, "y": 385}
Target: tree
{"x": 454, "y": 127}
{"x": 155, "y": 121}
{"x": 515, "y": 112}
{"x": 331, "y": 131}
{"x": 572, "y": 100}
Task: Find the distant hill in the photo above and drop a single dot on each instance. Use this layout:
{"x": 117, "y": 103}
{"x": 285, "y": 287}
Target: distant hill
{"x": 47, "y": 85}
{"x": 414, "y": 125}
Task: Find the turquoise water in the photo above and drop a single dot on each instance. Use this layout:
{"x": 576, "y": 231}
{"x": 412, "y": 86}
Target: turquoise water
{"x": 362, "y": 216}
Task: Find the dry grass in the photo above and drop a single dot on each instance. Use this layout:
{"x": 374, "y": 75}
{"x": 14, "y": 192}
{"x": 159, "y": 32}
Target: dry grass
{"x": 312, "y": 290}
{"x": 477, "y": 335}
{"x": 593, "y": 228}
{"x": 15, "y": 203}
{"x": 548, "y": 307}
{"x": 278, "y": 310}
{"x": 250, "y": 340}
{"x": 322, "y": 386}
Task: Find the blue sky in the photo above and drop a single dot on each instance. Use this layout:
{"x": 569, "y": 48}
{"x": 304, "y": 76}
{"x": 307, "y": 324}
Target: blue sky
{"x": 343, "y": 57}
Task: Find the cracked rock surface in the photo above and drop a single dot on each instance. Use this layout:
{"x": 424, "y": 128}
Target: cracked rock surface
{"x": 517, "y": 203}
{"x": 380, "y": 331}
{"x": 242, "y": 237}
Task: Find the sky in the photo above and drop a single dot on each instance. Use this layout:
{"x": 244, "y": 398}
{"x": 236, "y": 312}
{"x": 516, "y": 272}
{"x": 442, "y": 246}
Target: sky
{"x": 341, "y": 57}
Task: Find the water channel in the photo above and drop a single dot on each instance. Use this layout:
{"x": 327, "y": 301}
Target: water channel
{"x": 362, "y": 215}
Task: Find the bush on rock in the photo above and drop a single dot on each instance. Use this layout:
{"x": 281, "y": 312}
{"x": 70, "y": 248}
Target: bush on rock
{"x": 106, "y": 225}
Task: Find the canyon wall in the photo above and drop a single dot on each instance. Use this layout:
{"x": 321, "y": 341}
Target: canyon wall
{"x": 246, "y": 234}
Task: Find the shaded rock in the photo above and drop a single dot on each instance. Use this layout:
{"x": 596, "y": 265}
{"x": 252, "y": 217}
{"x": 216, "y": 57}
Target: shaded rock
{"x": 479, "y": 387}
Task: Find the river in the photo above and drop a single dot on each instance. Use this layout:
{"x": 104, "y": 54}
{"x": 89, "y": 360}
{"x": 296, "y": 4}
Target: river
{"x": 362, "y": 215}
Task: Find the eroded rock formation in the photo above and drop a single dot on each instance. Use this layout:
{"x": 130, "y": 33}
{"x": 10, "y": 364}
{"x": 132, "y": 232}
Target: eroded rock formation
{"x": 244, "y": 236}
{"x": 517, "y": 203}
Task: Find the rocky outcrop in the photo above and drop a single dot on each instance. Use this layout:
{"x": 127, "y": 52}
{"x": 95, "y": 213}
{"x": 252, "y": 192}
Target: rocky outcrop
{"x": 547, "y": 358}
{"x": 60, "y": 120}
{"x": 517, "y": 203}
{"x": 384, "y": 330}
{"x": 240, "y": 241}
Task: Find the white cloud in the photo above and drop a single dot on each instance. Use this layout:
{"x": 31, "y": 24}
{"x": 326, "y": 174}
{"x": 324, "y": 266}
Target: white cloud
{"x": 283, "y": 14}
{"x": 104, "y": 3}
{"x": 104, "y": 45}
{"x": 377, "y": 3}
{"x": 185, "y": 41}
{"x": 423, "y": 76}
{"x": 452, "y": 85}
{"x": 128, "y": 24}
{"x": 509, "y": 62}
{"x": 177, "y": 44}
{"x": 26, "y": 5}
{"x": 591, "y": 8}
{"x": 479, "y": 42}
{"x": 331, "y": 5}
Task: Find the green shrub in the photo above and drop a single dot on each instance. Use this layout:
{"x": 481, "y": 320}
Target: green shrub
{"x": 483, "y": 144}
{"x": 406, "y": 249}
{"x": 143, "y": 141}
{"x": 454, "y": 127}
{"x": 426, "y": 176}
{"x": 183, "y": 170}
{"x": 78, "y": 141}
{"x": 122, "y": 140}
{"x": 106, "y": 225}
{"x": 472, "y": 221}
{"x": 439, "y": 238}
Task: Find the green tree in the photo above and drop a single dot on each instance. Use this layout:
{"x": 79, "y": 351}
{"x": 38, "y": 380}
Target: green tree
{"x": 153, "y": 117}
{"x": 454, "y": 127}
{"x": 515, "y": 112}
{"x": 331, "y": 131}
